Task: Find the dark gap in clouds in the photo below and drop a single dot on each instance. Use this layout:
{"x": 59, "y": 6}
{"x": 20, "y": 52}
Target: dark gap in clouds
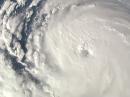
{"x": 16, "y": 66}
{"x": 27, "y": 28}
{"x": 1, "y": 3}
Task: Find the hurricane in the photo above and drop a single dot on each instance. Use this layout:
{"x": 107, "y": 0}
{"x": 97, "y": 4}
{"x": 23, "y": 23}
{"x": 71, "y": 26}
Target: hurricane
{"x": 64, "y": 48}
